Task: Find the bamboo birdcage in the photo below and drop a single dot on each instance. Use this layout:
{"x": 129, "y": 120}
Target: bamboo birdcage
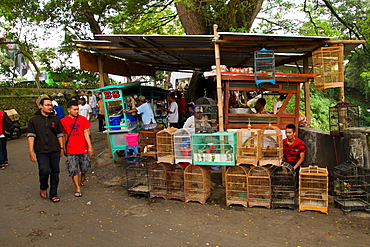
{"x": 259, "y": 187}
{"x": 328, "y": 67}
{"x": 270, "y": 146}
{"x": 165, "y": 145}
{"x": 148, "y": 142}
{"x": 157, "y": 179}
{"x": 183, "y": 148}
{"x": 237, "y": 185}
{"x": 247, "y": 147}
{"x": 313, "y": 189}
{"x": 197, "y": 184}
{"x": 283, "y": 186}
{"x": 175, "y": 182}
{"x": 137, "y": 175}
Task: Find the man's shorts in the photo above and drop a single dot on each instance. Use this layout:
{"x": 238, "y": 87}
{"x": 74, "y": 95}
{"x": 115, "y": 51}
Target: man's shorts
{"x": 77, "y": 160}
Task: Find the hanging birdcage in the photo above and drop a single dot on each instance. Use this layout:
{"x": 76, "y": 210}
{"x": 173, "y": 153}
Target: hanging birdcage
{"x": 148, "y": 142}
{"x": 205, "y": 116}
{"x": 283, "y": 186}
{"x": 165, "y": 145}
{"x": 237, "y": 185}
{"x": 175, "y": 182}
{"x": 183, "y": 148}
{"x": 157, "y": 179}
{"x": 197, "y": 185}
{"x": 247, "y": 146}
{"x": 351, "y": 187}
{"x": 270, "y": 146}
{"x": 342, "y": 116}
{"x": 313, "y": 189}
{"x": 137, "y": 181}
{"x": 264, "y": 66}
{"x": 259, "y": 187}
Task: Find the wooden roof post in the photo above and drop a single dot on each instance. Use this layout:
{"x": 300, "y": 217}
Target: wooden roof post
{"x": 218, "y": 79}
{"x": 341, "y": 74}
{"x": 306, "y": 88}
{"x": 103, "y": 77}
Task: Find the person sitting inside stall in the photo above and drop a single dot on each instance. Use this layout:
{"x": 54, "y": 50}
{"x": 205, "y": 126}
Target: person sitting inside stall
{"x": 260, "y": 106}
{"x": 147, "y": 115}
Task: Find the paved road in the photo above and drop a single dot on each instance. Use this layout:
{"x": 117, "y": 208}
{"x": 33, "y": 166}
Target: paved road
{"x": 107, "y": 216}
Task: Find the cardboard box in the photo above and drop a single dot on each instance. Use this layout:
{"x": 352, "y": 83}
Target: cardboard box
{"x": 13, "y": 114}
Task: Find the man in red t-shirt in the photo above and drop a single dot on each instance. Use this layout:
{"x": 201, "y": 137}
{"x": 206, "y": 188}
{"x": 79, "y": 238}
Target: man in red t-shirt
{"x": 78, "y": 145}
{"x": 293, "y": 147}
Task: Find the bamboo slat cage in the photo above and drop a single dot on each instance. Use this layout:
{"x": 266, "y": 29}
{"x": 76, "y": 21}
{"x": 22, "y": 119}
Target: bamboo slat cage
{"x": 283, "y": 186}
{"x": 313, "y": 189}
{"x": 237, "y": 185}
{"x": 197, "y": 184}
{"x": 175, "y": 182}
{"x": 351, "y": 187}
{"x": 137, "y": 175}
{"x": 259, "y": 187}
{"x": 328, "y": 67}
{"x": 165, "y": 145}
{"x": 183, "y": 148}
{"x": 270, "y": 146}
{"x": 247, "y": 147}
{"x": 148, "y": 142}
{"x": 157, "y": 179}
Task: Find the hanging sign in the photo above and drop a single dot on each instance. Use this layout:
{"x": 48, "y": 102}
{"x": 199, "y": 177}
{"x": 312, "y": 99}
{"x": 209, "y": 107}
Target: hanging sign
{"x": 116, "y": 94}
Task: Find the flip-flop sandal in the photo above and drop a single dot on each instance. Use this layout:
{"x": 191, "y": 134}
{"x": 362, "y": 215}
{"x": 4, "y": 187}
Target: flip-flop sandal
{"x": 43, "y": 195}
{"x": 78, "y": 194}
{"x": 83, "y": 182}
{"x": 55, "y": 199}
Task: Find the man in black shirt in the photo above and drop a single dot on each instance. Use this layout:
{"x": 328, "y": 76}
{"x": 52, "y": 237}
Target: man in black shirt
{"x": 45, "y": 145}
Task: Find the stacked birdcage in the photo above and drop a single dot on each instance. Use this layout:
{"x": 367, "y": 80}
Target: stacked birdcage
{"x": 137, "y": 181}
{"x": 283, "y": 186}
{"x": 197, "y": 185}
{"x": 175, "y": 182}
{"x": 148, "y": 142}
{"x": 264, "y": 66}
{"x": 214, "y": 148}
{"x": 259, "y": 186}
{"x": 182, "y": 141}
{"x": 237, "y": 185}
{"x": 247, "y": 146}
{"x": 270, "y": 146}
{"x": 157, "y": 179}
{"x": 165, "y": 145}
{"x": 351, "y": 187}
{"x": 207, "y": 120}
{"x": 313, "y": 189}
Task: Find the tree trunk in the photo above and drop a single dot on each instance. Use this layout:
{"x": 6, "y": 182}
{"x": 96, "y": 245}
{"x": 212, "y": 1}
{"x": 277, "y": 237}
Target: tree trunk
{"x": 191, "y": 21}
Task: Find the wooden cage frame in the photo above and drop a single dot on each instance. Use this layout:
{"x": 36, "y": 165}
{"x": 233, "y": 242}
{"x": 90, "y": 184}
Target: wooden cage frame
{"x": 237, "y": 185}
{"x": 270, "y": 155}
{"x": 247, "y": 146}
{"x": 197, "y": 184}
{"x": 165, "y": 145}
{"x": 259, "y": 186}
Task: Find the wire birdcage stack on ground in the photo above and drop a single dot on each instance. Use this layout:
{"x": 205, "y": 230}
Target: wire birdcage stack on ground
{"x": 259, "y": 187}
{"x": 313, "y": 189}
{"x": 283, "y": 186}
{"x": 270, "y": 146}
{"x": 175, "y": 182}
{"x": 148, "y": 142}
{"x": 183, "y": 148}
{"x": 165, "y": 145}
{"x": 197, "y": 185}
{"x": 157, "y": 179}
{"x": 247, "y": 147}
{"x": 237, "y": 185}
{"x": 137, "y": 181}
{"x": 351, "y": 187}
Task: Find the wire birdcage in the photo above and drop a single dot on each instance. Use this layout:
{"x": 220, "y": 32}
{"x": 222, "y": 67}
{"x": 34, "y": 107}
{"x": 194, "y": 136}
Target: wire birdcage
{"x": 247, "y": 147}
{"x": 183, "y": 148}
{"x": 148, "y": 142}
{"x": 283, "y": 186}
{"x": 270, "y": 146}
{"x": 342, "y": 116}
{"x": 351, "y": 187}
{"x": 197, "y": 185}
{"x": 259, "y": 187}
{"x": 175, "y": 182}
{"x": 157, "y": 179}
{"x": 264, "y": 66}
{"x": 165, "y": 145}
{"x": 313, "y": 189}
{"x": 237, "y": 185}
{"x": 137, "y": 181}
{"x": 207, "y": 122}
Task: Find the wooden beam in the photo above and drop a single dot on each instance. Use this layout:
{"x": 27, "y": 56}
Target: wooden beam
{"x": 306, "y": 88}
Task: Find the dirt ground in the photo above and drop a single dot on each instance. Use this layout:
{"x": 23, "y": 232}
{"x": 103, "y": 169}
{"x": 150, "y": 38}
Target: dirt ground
{"x": 107, "y": 216}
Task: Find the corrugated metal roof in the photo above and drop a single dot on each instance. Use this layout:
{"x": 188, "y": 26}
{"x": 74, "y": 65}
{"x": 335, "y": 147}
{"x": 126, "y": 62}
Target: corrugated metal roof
{"x": 189, "y": 52}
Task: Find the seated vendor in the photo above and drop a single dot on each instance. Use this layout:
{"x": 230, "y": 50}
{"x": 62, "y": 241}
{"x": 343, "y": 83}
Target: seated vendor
{"x": 260, "y": 106}
{"x": 294, "y": 149}
{"x": 190, "y": 122}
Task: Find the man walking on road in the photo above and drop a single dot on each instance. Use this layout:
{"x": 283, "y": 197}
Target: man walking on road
{"x": 76, "y": 129}
{"x": 45, "y": 145}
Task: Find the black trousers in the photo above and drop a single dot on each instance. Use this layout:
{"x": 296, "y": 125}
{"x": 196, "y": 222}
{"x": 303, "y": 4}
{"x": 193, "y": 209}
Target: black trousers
{"x": 101, "y": 122}
{"x": 49, "y": 167}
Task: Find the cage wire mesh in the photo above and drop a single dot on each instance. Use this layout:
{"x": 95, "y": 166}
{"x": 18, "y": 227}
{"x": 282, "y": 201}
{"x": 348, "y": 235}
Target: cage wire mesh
{"x": 237, "y": 185}
{"x": 342, "y": 116}
{"x": 175, "y": 182}
{"x": 148, "y": 142}
{"x": 247, "y": 146}
{"x": 183, "y": 146}
{"x": 207, "y": 121}
{"x": 270, "y": 146}
{"x": 137, "y": 181}
{"x": 264, "y": 66}
{"x": 283, "y": 186}
{"x": 197, "y": 185}
{"x": 259, "y": 187}
{"x": 157, "y": 179}
{"x": 165, "y": 145}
